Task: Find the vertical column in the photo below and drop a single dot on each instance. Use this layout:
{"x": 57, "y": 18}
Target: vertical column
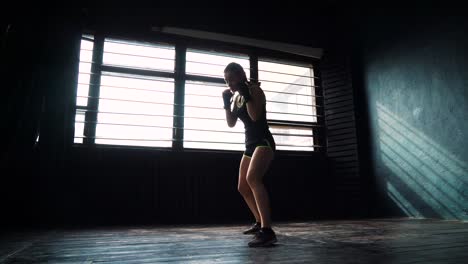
{"x": 178, "y": 132}
{"x": 94, "y": 86}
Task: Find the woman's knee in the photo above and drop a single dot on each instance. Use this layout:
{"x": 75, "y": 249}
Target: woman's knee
{"x": 244, "y": 188}
{"x": 253, "y": 179}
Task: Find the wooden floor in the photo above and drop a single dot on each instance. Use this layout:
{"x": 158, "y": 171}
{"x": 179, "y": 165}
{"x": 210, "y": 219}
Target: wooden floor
{"x": 365, "y": 241}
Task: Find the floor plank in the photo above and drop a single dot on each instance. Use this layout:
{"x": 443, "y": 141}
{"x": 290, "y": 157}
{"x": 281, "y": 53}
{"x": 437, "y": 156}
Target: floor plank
{"x": 395, "y": 240}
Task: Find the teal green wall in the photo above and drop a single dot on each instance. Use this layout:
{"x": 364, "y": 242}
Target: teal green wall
{"x": 416, "y": 84}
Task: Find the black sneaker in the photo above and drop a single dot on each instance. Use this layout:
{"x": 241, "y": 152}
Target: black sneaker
{"x": 265, "y": 237}
{"x": 254, "y": 229}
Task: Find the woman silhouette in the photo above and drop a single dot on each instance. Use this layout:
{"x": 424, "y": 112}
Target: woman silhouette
{"x": 250, "y": 108}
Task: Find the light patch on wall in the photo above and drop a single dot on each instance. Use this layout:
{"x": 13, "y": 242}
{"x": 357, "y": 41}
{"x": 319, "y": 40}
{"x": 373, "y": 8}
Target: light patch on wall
{"x": 402, "y": 202}
{"x": 417, "y": 112}
{"x": 437, "y": 177}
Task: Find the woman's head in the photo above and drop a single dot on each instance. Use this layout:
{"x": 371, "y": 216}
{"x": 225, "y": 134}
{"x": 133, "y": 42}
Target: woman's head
{"x": 234, "y": 75}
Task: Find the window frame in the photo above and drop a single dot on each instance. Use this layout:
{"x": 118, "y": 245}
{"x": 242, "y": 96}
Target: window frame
{"x": 182, "y": 44}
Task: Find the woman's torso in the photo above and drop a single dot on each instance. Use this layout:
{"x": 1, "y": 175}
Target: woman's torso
{"x": 254, "y": 130}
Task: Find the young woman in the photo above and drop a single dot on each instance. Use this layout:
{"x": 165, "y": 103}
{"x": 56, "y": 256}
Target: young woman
{"x": 249, "y": 107}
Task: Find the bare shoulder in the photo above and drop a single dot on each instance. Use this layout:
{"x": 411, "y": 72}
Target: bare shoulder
{"x": 257, "y": 92}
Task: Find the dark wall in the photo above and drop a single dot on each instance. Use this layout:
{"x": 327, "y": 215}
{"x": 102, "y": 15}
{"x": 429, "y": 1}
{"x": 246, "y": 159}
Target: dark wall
{"x": 411, "y": 88}
{"x": 56, "y": 183}
{"x": 39, "y": 54}
{"x": 145, "y": 186}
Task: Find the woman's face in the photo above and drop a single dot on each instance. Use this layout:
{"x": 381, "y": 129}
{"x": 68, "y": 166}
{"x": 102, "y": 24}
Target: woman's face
{"x": 233, "y": 80}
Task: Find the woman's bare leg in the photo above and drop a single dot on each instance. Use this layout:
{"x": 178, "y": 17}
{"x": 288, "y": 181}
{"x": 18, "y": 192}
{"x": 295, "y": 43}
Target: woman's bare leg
{"x": 258, "y": 166}
{"x": 244, "y": 187}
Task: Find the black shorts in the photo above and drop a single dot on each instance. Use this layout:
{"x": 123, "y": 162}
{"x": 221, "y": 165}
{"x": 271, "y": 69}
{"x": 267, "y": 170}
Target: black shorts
{"x": 264, "y": 143}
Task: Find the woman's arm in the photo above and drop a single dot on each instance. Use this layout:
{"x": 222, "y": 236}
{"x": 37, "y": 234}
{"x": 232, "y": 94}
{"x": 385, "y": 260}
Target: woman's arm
{"x": 231, "y": 117}
{"x": 255, "y": 104}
